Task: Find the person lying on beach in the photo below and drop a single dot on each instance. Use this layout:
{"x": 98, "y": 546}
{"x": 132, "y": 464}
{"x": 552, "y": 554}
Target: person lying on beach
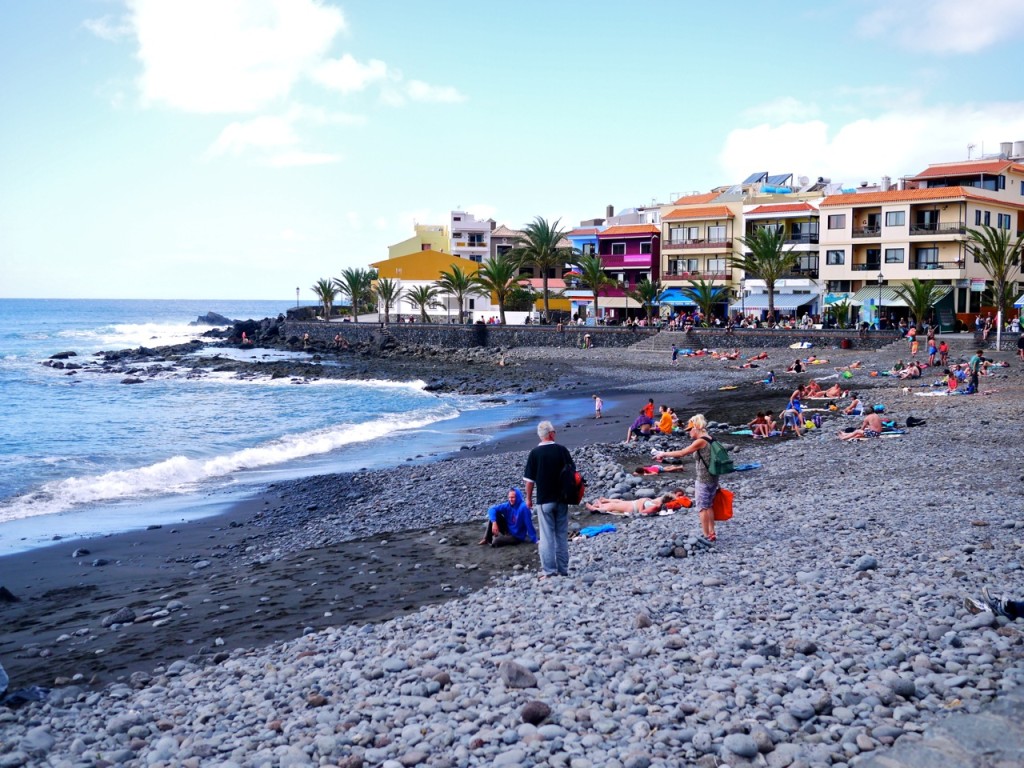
{"x": 870, "y": 427}
{"x": 835, "y": 391}
{"x": 813, "y": 389}
{"x": 734, "y": 355}
{"x": 762, "y": 355}
{"x": 643, "y": 506}
{"x": 509, "y": 522}
{"x": 855, "y": 408}
{"x": 657, "y": 469}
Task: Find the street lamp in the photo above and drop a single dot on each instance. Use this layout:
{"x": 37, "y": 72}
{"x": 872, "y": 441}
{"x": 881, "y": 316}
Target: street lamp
{"x": 878, "y": 309}
{"x": 296, "y": 296}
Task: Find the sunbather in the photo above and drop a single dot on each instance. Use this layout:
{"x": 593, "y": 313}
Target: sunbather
{"x": 870, "y": 427}
{"x": 643, "y": 506}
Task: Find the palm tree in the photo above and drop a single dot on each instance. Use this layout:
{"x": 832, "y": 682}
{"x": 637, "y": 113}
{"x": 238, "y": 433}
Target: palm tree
{"x": 593, "y": 276}
{"x": 424, "y": 297}
{"x": 840, "y": 310}
{"x": 1000, "y": 257}
{"x": 767, "y": 260}
{"x": 704, "y": 295}
{"x": 498, "y": 275}
{"x": 458, "y": 284}
{"x": 326, "y": 293}
{"x": 357, "y": 284}
{"x": 389, "y": 293}
{"x": 920, "y": 296}
{"x": 539, "y": 246}
{"x": 645, "y": 294}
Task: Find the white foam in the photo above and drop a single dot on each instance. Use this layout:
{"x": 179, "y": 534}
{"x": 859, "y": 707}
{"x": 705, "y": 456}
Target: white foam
{"x": 180, "y": 474}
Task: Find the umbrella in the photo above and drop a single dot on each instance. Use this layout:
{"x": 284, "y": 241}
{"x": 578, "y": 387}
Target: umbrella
{"x": 573, "y": 273}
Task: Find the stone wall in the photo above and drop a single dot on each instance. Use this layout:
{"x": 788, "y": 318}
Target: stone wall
{"x": 714, "y": 338}
{"x": 465, "y": 336}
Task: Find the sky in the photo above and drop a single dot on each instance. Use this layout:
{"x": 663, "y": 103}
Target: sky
{"x": 240, "y": 149}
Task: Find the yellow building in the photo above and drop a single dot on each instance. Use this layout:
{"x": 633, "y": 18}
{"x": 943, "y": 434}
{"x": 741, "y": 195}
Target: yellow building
{"x": 428, "y": 237}
{"x": 424, "y": 268}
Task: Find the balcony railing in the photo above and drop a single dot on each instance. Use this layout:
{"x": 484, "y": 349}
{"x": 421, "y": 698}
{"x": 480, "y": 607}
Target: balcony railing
{"x": 867, "y": 231}
{"x": 936, "y": 228}
{"x": 807, "y": 237}
{"x": 672, "y": 244}
{"x": 957, "y": 264}
{"x": 801, "y": 274}
{"x": 696, "y": 275}
{"x": 867, "y": 266}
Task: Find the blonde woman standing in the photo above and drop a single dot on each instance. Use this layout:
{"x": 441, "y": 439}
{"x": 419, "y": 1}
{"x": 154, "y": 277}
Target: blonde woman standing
{"x": 707, "y": 484}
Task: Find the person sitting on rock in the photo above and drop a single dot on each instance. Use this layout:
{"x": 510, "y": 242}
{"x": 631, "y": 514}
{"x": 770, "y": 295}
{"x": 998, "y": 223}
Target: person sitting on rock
{"x": 855, "y": 408}
{"x": 509, "y": 522}
{"x": 870, "y": 427}
{"x": 641, "y": 427}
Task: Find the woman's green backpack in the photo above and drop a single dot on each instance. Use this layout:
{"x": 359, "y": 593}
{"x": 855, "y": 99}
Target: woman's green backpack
{"x": 720, "y": 462}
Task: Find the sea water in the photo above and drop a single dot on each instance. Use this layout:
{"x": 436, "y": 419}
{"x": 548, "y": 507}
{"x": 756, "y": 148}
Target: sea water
{"x": 83, "y": 453}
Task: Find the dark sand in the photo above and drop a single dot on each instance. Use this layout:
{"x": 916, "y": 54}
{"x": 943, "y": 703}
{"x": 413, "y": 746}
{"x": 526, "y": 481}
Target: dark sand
{"x": 220, "y": 601}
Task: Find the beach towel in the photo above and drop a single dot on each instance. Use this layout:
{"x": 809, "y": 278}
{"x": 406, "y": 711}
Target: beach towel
{"x": 748, "y": 466}
{"x": 595, "y": 530}
{"x": 748, "y": 432}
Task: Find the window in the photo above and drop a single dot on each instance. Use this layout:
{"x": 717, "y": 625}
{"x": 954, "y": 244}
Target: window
{"x": 987, "y": 219}
{"x": 716, "y": 233}
{"x": 1022, "y": 187}
{"x": 1003, "y": 220}
{"x": 837, "y": 221}
{"x": 926, "y": 258}
{"x": 588, "y": 249}
{"x": 457, "y": 218}
{"x": 977, "y": 216}
{"x": 717, "y": 266}
{"x": 618, "y": 249}
{"x": 893, "y": 255}
{"x": 476, "y": 257}
{"x": 772, "y": 227}
{"x": 835, "y": 257}
{"x": 476, "y": 240}
{"x": 456, "y": 235}
{"x": 895, "y": 219}
{"x": 681, "y": 266}
{"x": 808, "y": 262}
{"x": 645, "y": 247}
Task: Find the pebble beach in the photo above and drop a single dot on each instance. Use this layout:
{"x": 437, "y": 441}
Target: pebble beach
{"x": 352, "y": 620}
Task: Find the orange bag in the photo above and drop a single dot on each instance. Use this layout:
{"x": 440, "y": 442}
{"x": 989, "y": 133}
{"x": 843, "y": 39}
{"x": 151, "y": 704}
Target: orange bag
{"x": 683, "y": 502}
{"x": 722, "y": 505}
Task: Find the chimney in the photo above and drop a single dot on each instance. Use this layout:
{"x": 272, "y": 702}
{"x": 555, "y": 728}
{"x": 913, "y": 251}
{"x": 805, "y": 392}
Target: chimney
{"x": 886, "y": 183}
{"x": 609, "y": 211}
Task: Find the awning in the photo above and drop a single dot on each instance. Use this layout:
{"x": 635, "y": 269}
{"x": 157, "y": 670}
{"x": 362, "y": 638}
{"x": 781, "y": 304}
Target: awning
{"x": 782, "y": 301}
{"x": 1019, "y": 302}
{"x": 888, "y": 296}
{"x": 676, "y": 296}
{"x": 836, "y": 298}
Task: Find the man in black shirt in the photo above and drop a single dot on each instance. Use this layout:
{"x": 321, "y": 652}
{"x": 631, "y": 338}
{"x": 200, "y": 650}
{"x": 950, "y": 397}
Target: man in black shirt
{"x": 543, "y": 475}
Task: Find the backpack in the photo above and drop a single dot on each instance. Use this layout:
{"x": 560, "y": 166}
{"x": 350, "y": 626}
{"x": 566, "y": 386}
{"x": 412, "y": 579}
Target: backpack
{"x": 571, "y": 482}
{"x": 721, "y": 462}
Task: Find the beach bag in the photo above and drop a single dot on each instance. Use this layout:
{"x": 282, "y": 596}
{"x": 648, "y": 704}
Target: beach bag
{"x": 721, "y": 506}
{"x": 572, "y": 483}
{"x": 720, "y": 462}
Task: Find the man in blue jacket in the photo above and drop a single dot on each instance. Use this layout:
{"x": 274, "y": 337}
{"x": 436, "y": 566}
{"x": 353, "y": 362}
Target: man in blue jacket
{"x": 509, "y": 522}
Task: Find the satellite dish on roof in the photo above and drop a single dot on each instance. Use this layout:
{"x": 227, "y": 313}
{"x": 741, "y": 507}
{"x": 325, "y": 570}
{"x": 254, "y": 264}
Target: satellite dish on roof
{"x": 802, "y": 180}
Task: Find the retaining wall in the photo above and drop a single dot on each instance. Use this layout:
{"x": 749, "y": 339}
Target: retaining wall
{"x": 715, "y": 338}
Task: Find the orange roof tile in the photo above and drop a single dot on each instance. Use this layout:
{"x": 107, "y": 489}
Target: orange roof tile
{"x": 912, "y": 196}
{"x": 782, "y": 208}
{"x": 700, "y": 199}
{"x": 630, "y": 229}
{"x": 583, "y": 231}
{"x": 707, "y": 212}
{"x": 967, "y": 168}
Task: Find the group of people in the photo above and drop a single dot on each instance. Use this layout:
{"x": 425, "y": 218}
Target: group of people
{"x": 511, "y": 522}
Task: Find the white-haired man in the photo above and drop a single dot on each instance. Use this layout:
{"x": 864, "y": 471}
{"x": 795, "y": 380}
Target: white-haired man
{"x": 543, "y": 476}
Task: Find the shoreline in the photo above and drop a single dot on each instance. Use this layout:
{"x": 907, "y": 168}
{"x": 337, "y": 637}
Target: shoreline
{"x": 813, "y": 511}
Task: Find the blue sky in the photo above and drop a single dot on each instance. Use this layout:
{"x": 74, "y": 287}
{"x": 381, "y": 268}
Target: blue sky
{"x": 243, "y": 148}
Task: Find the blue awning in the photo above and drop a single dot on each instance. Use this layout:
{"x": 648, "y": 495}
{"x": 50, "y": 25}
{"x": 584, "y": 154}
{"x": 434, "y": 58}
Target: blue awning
{"x": 782, "y": 301}
{"x": 676, "y": 296}
{"x": 1019, "y": 302}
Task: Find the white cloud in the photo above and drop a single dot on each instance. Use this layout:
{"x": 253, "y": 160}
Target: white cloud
{"x": 895, "y": 143}
{"x": 296, "y": 157}
{"x": 945, "y": 26}
{"x": 259, "y": 133}
{"x": 109, "y": 28}
{"x": 445, "y": 94}
{"x": 347, "y": 75}
{"x": 230, "y": 55}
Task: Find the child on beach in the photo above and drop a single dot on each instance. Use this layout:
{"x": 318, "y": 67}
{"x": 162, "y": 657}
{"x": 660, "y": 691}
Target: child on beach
{"x": 598, "y": 405}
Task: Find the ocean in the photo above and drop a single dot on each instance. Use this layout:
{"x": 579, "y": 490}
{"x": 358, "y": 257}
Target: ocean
{"x": 83, "y": 454}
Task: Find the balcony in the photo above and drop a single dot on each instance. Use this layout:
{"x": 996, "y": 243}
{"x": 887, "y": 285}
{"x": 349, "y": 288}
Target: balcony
{"x": 684, "y": 244}
{"x": 937, "y": 228}
{"x": 867, "y": 232}
{"x": 802, "y": 239}
{"x": 956, "y": 264}
{"x": 696, "y": 276}
{"x": 868, "y": 266}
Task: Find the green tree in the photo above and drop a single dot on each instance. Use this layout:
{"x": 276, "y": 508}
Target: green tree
{"x": 705, "y": 296}
{"x": 1000, "y": 256}
{"x": 539, "y": 247}
{"x": 498, "y": 276}
{"x": 919, "y": 296}
{"x": 645, "y": 294}
{"x": 424, "y": 297}
{"x": 357, "y": 285}
{"x": 520, "y": 299}
{"x": 389, "y": 293}
{"x": 458, "y": 284}
{"x": 593, "y": 276}
{"x": 767, "y": 260}
{"x": 840, "y": 310}
{"x": 325, "y": 292}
